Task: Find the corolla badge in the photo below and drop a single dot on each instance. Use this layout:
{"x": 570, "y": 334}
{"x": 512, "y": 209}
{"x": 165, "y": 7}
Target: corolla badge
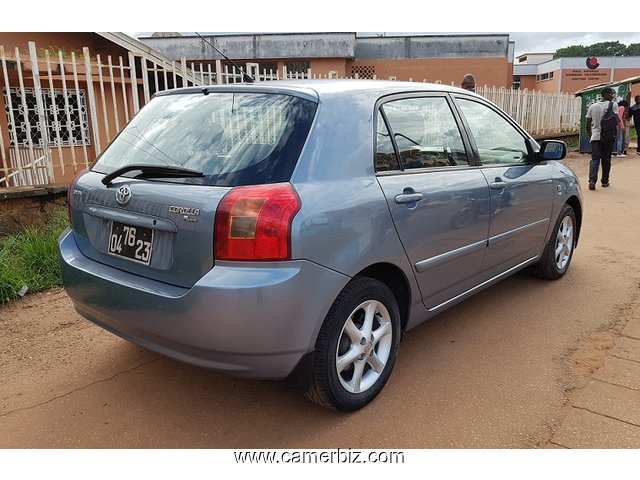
{"x": 189, "y": 214}
{"x": 123, "y": 195}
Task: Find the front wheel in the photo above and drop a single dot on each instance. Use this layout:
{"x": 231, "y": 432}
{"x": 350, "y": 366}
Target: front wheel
{"x": 559, "y": 250}
{"x": 357, "y": 346}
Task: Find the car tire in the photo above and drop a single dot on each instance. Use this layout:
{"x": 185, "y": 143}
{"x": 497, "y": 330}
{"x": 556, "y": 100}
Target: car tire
{"x": 559, "y": 249}
{"x": 357, "y": 346}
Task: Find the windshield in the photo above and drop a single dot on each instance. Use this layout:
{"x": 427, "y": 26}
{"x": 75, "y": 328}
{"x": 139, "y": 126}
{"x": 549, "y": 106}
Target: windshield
{"x": 232, "y": 138}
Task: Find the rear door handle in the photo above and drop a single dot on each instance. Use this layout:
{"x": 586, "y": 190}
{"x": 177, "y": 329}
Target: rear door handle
{"x": 409, "y": 197}
{"x": 498, "y": 185}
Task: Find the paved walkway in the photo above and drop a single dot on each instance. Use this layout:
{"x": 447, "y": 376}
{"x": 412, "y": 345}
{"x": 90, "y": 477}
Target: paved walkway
{"x": 606, "y": 413}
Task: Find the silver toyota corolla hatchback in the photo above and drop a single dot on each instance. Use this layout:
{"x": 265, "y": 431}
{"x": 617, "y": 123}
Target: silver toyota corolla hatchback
{"x": 296, "y": 230}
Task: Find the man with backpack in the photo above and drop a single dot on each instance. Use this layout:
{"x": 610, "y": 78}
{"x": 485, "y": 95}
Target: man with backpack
{"x": 602, "y": 121}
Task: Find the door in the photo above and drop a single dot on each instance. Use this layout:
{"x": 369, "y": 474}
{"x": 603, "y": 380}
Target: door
{"x": 521, "y": 189}
{"x": 438, "y": 201}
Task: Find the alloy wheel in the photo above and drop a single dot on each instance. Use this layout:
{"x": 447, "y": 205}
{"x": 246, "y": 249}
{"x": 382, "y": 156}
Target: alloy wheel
{"x": 564, "y": 243}
{"x": 364, "y": 346}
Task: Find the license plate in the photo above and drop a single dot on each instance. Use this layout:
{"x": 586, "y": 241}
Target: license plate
{"x": 134, "y": 243}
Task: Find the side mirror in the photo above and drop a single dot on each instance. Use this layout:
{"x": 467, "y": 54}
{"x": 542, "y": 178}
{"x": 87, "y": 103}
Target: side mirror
{"x": 552, "y": 150}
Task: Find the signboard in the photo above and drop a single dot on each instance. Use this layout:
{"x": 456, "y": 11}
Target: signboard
{"x": 599, "y": 76}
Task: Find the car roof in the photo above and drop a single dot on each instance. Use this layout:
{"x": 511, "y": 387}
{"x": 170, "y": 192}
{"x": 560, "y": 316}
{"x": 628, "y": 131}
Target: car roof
{"x": 314, "y": 89}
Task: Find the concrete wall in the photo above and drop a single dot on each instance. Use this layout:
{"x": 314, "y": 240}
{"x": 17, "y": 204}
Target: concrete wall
{"x": 432, "y": 46}
{"x": 259, "y": 46}
{"x": 528, "y": 82}
{"x": 322, "y": 66}
{"x": 550, "y": 85}
{"x": 487, "y": 71}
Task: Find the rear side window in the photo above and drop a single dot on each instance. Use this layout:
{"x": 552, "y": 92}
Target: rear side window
{"x": 426, "y": 133}
{"x": 233, "y": 138}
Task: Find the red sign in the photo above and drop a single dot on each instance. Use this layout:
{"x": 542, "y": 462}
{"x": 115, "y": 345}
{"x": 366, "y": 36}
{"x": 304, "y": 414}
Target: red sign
{"x": 592, "y": 63}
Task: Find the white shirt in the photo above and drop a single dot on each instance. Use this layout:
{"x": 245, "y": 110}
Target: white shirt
{"x": 595, "y": 113}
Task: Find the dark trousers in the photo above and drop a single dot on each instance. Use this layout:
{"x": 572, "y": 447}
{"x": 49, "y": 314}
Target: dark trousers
{"x": 600, "y": 153}
{"x": 638, "y": 136}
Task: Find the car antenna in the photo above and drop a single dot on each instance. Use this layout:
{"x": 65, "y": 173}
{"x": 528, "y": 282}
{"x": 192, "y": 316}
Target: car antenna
{"x": 245, "y": 76}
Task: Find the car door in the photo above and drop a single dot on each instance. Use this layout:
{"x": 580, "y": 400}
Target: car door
{"x": 439, "y": 202}
{"x": 521, "y": 188}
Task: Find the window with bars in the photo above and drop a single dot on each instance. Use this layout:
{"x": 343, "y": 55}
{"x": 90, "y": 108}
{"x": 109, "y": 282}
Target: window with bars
{"x": 268, "y": 67}
{"x": 300, "y": 67}
{"x": 62, "y": 129}
{"x": 364, "y": 71}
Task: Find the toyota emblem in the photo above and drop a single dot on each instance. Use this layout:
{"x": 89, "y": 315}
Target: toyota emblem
{"x": 123, "y": 195}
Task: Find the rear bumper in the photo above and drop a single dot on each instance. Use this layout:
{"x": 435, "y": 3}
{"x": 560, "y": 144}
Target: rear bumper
{"x": 255, "y": 320}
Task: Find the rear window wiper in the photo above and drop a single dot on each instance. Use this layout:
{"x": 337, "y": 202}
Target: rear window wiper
{"x": 152, "y": 171}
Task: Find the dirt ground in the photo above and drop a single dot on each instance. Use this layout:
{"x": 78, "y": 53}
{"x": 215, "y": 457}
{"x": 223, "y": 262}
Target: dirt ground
{"x": 492, "y": 372}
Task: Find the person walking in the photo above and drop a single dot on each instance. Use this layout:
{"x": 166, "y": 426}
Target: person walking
{"x": 621, "y": 129}
{"x": 634, "y": 112}
{"x": 601, "y": 145}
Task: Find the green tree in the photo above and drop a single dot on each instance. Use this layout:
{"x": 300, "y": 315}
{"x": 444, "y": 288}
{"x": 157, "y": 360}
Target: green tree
{"x": 633, "y": 50}
{"x": 571, "y": 51}
{"x": 602, "y": 49}
{"x": 608, "y": 49}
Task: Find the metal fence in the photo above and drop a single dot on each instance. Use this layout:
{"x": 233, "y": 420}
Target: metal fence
{"x": 62, "y": 109}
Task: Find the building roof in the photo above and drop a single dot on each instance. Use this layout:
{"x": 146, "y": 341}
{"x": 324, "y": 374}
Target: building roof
{"x": 535, "y": 53}
{"x": 534, "y": 58}
{"x": 134, "y": 46}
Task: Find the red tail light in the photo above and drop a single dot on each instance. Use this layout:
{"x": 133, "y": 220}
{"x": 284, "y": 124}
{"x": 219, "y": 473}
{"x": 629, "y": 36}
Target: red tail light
{"x": 254, "y": 223}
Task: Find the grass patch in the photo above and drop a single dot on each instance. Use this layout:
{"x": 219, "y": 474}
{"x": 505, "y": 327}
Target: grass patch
{"x": 573, "y": 142}
{"x": 30, "y": 258}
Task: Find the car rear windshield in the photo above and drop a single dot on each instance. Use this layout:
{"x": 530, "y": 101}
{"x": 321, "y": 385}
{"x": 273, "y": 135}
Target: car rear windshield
{"x": 232, "y": 138}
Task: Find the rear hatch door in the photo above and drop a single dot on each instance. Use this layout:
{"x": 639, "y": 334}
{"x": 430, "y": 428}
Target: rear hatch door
{"x": 164, "y": 232}
{"x": 148, "y": 204}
